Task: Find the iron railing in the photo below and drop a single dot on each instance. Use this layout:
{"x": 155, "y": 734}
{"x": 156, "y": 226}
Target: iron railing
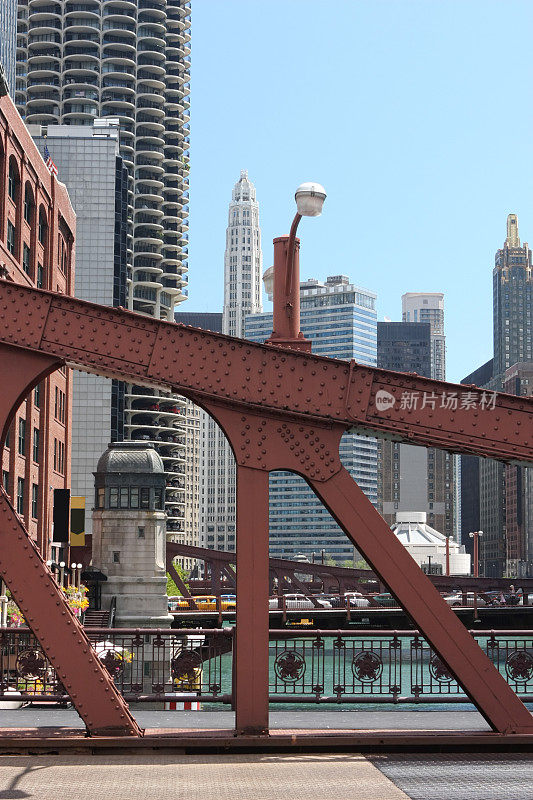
{"x": 306, "y": 666}
{"x": 384, "y": 666}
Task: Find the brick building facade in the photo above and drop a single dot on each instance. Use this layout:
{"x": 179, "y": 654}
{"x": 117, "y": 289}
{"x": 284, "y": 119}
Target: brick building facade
{"x": 37, "y": 228}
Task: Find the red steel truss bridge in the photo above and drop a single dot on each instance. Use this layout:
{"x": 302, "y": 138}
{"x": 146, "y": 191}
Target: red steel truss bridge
{"x": 328, "y": 578}
{"x": 280, "y": 410}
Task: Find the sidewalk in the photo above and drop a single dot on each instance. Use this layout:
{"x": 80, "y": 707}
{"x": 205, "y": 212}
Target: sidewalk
{"x": 268, "y": 776}
{"x": 279, "y": 720}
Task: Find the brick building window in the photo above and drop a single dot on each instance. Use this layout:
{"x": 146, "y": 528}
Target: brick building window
{"x": 37, "y": 396}
{"x": 22, "y": 437}
{"x": 59, "y": 456}
{"x": 20, "y": 496}
{"x": 28, "y": 205}
{"x": 5, "y": 480}
{"x": 40, "y": 276}
{"x": 59, "y": 405}
{"x": 36, "y": 433}
{"x": 34, "y": 500}
{"x": 11, "y": 237}
{"x": 26, "y": 259}
{"x": 13, "y": 180}
{"x": 43, "y": 227}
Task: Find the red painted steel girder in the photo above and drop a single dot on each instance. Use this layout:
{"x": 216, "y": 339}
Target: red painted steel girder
{"x": 281, "y": 564}
{"x": 228, "y": 371}
{"x": 288, "y": 410}
{"x": 466, "y": 582}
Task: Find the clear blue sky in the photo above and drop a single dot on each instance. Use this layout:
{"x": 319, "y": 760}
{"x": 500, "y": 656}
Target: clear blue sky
{"x": 415, "y": 115}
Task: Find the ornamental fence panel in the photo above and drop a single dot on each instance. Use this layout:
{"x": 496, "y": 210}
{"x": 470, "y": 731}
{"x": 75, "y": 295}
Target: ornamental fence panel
{"x": 306, "y": 666}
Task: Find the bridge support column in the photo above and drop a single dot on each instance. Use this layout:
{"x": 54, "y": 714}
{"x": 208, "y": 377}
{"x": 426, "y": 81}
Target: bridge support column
{"x": 251, "y": 648}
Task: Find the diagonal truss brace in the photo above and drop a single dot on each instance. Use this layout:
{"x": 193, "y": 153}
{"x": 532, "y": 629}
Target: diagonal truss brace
{"x": 36, "y": 592}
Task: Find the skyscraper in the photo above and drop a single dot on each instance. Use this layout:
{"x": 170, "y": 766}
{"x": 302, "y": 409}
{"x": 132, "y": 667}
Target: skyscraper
{"x": 243, "y": 259}
{"x": 518, "y": 380}
{"x": 513, "y": 328}
{"x": 130, "y": 61}
{"x": 243, "y": 262}
{"x": 194, "y": 488}
{"x": 413, "y": 478}
{"x": 512, "y": 335}
{"x": 512, "y": 296}
{"x": 340, "y": 320}
{"x": 89, "y": 164}
{"x": 441, "y": 489}
{"x": 8, "y": 41}
{"x": 405, "y": 347}
{"x": 429, "y": 307}
{"x": 469, "y": 465}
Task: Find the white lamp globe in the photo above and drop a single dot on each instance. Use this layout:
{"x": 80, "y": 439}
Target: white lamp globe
{"x": 310, "y": 199}
{"x": 268, "y": 280}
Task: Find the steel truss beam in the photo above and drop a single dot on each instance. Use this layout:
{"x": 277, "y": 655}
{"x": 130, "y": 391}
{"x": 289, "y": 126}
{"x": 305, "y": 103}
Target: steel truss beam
{"x": 280, "y": 410}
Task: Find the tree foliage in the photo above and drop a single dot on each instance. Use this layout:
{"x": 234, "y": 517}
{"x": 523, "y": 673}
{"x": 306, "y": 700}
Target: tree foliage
{"x": 172, "y": 589}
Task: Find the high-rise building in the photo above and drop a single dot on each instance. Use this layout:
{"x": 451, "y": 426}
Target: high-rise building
{"x": 208, "y": 321}
{"x": 429, "y": 307}
{"x": 469, "y": 465}
{"x": 512, "y": 297}
{"x": 8, "y": 41}
{"x": 340, "y": 320}
{"x": 243, "y": 259}
{"x": 410, "y": 478}
{"x": 405, "y": 347}
{"x": 130, "y": 61}
{"x": 37, "y": 231}
{"x": 243, "y": 262}
{"x": 513, "y": 330}
{"x": 195, "y": 487}
{"x": 88, "y": 162}
{"x": 518, "y": 380}
{"x": 512, "y": 335}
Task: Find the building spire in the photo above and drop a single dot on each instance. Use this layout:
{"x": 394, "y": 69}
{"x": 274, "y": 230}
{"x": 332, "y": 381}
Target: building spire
{"x": 512, "y": 240}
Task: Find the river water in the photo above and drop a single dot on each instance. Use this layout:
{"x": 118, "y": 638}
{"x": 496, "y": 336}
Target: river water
{"x": 368, "y": 671}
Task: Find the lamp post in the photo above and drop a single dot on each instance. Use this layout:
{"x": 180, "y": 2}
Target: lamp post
{"x": 475, "y": 536}
{"x": 282, "y": 281}
{"x": 447, "y": 555}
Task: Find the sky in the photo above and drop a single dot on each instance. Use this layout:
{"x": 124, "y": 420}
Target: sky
{"x": 416, "y": 117}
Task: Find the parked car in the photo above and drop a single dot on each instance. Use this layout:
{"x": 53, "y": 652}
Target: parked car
{"x": 177, "y": 603}
{"x": 335, "y": 600}
{"x": 456, "y": 599}
{"x": 357, "y": 600}
{"x": 298, "y": 602}
{"x": 208, "y": 602}
{"x": 385, "y": 599}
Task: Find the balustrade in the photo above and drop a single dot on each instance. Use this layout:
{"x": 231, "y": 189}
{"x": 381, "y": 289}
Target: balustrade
{"x": 328, "y": 667}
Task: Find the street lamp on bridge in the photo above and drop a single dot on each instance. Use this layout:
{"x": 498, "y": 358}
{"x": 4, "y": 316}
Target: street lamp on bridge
{"x": 475, "y": 536}
{"x": 282, "y": 281}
